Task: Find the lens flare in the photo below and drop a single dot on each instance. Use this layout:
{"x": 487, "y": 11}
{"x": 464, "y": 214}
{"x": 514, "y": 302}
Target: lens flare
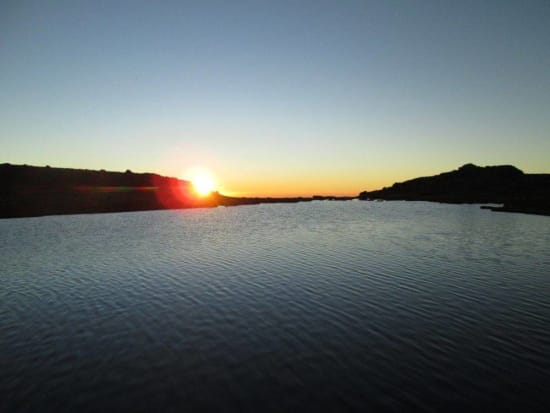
{"x": 203, "y": 183}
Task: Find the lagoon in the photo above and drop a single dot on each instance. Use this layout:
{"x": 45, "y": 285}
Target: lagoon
{"x": 327, "y": 304}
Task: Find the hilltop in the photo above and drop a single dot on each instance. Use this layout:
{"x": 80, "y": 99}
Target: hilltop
{"x": 504, "y": 184}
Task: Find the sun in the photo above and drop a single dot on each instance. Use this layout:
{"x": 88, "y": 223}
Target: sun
{"x": 203, "y": 183}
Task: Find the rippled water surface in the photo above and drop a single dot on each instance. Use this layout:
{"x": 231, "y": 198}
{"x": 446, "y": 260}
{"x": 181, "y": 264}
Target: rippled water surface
{"x": 333, "y": 305}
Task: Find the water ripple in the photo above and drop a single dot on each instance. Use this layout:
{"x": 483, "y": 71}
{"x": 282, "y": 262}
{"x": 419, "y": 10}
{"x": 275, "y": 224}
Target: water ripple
{"x": 332, "y": 305}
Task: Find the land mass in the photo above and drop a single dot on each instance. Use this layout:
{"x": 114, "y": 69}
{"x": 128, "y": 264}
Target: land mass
{"x": 505, "y": 185}
{"x": 27, "y": 191}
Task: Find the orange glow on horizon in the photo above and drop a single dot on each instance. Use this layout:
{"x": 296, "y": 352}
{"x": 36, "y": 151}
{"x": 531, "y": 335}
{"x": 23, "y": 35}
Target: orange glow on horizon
{"x": 287, "y": 183}
{"x": 237, "y": 182}
{"x": 286, "y": 189}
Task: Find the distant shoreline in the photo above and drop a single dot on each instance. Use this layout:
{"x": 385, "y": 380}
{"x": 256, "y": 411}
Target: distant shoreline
{"x": 32, "y": 191}
{"x": 505, "y": 185}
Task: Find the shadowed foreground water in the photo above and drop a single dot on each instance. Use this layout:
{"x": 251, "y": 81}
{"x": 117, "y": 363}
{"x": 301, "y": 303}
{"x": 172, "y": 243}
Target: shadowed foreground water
{"x": 333, "y": 305}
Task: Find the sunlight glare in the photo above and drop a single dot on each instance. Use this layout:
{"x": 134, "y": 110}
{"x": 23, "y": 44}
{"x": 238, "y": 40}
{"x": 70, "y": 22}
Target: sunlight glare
{"x": 203, "y": 183}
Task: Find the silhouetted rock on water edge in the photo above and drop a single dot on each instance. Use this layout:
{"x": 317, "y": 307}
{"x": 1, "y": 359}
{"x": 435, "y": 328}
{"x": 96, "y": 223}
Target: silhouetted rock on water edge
{"x": 523, "y": 208}
{"x": 505, "y": 185}
{"x": 27, "y": 191}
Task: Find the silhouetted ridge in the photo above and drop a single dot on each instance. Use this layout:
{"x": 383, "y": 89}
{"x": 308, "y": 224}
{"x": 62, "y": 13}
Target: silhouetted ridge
{"x": 33, "y": 191}
{"x": 503, "y": 184}
{"x": 17, "y": 175}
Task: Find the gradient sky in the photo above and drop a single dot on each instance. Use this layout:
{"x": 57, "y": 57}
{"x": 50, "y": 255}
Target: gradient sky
{"x": 276, "y": 97}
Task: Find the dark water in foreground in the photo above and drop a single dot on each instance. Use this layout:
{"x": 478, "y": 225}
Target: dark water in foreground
{"x": 333, "y": 305}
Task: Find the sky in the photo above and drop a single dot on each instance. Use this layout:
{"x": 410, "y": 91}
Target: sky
{"x": 279, "y": 97}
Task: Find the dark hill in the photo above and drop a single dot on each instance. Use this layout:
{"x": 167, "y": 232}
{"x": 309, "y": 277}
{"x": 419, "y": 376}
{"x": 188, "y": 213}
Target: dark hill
{"x": 507, "y": 185}
{"x": 27, "y": 191}
{"x": 33, "y": 191}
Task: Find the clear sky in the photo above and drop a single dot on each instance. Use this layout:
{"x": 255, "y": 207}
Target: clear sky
{"x": 276, "y": 97}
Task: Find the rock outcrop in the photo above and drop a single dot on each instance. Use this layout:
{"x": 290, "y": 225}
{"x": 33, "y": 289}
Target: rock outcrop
{"x": 506, "y": 184}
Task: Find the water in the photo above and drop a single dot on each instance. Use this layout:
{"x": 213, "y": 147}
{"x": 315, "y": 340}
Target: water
{"x": 332, "y": 305}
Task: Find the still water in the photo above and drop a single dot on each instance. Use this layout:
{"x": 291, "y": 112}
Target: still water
{"x": 333, "y": 305}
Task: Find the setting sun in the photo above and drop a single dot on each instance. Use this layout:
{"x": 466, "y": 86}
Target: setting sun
{"x": 203, "y": 183}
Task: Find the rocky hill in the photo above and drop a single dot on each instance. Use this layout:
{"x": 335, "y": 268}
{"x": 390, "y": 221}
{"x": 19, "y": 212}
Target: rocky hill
{"x": 507, "y": 185}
